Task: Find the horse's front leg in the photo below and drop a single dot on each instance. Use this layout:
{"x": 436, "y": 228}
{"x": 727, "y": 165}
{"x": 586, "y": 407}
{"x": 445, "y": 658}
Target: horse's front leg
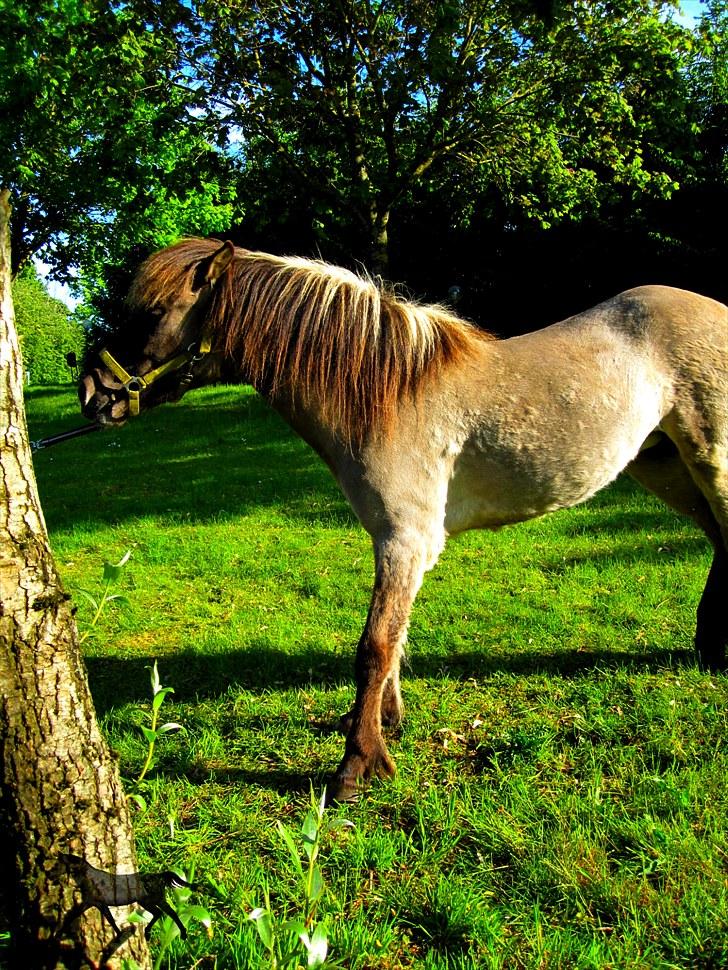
{"x": 400, "y": 567}
{"x": 392, "y": 707}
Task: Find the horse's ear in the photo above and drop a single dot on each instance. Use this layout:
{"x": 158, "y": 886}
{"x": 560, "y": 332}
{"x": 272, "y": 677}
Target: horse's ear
{"x": 211, "y": 269}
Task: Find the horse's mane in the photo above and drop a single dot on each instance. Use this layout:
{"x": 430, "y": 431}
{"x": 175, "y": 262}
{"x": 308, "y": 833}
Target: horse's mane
{"x": 316, "y": 332}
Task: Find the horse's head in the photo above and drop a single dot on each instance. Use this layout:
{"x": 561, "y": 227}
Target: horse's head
{"x": 154, "y": 358}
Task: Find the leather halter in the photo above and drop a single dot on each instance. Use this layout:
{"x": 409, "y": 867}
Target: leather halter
{"x": 134, "y": 385}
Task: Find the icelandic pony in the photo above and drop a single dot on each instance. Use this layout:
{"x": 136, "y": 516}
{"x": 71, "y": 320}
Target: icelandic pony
{"x": 432, "y": 427}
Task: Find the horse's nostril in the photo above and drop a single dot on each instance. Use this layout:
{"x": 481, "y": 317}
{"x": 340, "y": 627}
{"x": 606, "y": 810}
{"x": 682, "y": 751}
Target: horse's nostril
{"x": 86, "y": 389}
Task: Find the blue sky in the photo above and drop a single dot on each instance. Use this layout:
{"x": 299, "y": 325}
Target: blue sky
{"x": 691, "y": 9}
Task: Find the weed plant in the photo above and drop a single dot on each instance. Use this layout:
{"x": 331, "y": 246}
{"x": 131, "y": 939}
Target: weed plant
{"x": 561, "y": 797}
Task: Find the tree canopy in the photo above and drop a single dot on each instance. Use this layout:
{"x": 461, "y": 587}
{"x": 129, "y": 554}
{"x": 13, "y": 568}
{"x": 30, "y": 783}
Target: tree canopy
{"x": 361, "y": 129}
{"x": 352, "y": 105}
{"x": 102, "y": 145}
{"x": 46, "y": 329}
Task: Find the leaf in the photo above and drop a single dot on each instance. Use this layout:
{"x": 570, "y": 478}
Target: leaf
{"x": 149, "y": 735}
{"x": 319, "y": 947}
{"x": 316, "y": 884}
{"x": 169, "y": 727}
{"x": 89, "y": 597}
{"x": 288, "y": 839}
{"x": 159, "y": 696}
{"x": 200, "y": 914}
{"x": 294, "y": 926}
{"x": 154, "y": 678}
{"x": 309, "y": 828}
{"x": 119, "y": 598}
{"x": 264, "y": 925}
{"x": 138, "y": 800}
{"x": 112, "y": 571}
{"x": 338, "y": 823}
{"x": 169, "y": 932}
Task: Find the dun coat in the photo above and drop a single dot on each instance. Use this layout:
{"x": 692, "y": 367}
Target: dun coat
{"x": 432, "y": 427}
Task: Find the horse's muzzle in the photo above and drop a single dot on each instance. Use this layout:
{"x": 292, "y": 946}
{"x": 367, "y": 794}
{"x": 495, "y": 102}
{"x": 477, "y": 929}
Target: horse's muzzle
{"x": 100, "y": 403}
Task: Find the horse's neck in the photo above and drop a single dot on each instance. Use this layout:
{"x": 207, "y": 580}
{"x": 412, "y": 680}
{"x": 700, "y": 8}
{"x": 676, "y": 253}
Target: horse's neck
{"x": 306, "y": 421}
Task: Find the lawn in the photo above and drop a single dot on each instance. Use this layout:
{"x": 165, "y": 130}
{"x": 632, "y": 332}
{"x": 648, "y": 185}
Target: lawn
{"x": 561, "y": 791}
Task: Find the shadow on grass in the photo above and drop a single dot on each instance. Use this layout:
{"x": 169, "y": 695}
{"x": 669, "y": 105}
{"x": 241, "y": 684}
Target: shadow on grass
{"x": 222, "y": 452}
{"x": 116, "y": 681}
{"x": 281, "y": 782}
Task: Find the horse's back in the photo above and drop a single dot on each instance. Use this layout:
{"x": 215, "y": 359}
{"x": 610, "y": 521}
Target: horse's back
{"x": 557, "y": 413}
{"x": 655, "y": 312}
{"x": 663, "y": 333}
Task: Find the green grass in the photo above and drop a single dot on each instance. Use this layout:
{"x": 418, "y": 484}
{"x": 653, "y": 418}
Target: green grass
{"x": 560, "y": 798}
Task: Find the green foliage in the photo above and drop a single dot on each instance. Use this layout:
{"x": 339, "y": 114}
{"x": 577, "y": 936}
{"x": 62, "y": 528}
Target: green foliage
{"x": 112, "y": 573}
{"x": 47, "y": 331}
{"x": 336, "y": 125}
{"x": 300, "y": 939}
{"x": 356, "y": 105}
{"x": 101, "y": 142}
{"x": 187, "y": 911}
{"x": 709, "y": 77}
{"x": 154, "y": 731}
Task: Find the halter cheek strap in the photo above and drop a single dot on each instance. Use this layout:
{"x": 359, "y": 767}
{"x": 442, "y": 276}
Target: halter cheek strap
{"x": 134, "y": 385}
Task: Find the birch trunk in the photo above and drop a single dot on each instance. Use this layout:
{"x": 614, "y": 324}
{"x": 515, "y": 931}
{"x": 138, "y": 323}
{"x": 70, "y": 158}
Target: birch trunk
{"x": 59, "y": 787}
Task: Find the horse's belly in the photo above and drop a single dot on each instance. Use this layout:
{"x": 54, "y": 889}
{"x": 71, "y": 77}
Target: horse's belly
{"x": 551, "y": 439}
{"x": 486, "y": 492}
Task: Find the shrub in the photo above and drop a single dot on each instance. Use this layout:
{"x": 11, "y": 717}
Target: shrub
{"x": 46, "y": 329}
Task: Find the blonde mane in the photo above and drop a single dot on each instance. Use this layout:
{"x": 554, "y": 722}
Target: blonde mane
{"x": 317, "y": 333}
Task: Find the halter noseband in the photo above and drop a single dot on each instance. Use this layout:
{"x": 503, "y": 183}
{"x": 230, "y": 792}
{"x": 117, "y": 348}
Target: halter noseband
{"x": 134, "y": 384}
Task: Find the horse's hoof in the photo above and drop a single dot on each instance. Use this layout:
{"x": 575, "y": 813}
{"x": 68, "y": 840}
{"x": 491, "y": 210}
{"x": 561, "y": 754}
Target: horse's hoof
{"x": 355, "y": 771}
{"x": 344, "y": 790}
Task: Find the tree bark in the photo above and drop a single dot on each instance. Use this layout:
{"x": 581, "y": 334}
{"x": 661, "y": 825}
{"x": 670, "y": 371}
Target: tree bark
{"x": 60, "y": 789}
{"x": 380, "y": 243}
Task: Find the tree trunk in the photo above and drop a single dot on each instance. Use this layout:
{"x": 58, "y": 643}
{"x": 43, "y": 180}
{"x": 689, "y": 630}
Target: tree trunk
{"x": 380, "y": 243}
{"x": 59, "y": 787}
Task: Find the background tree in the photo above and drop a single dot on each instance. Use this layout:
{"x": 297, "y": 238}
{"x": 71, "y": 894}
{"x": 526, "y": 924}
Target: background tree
{"x": 709, "y": 79}
{"x": 431, "y": 141}
{"x": 349, "y": 108}
{"x": 46, "y": 329}
{"x": 102, "y": 142}
{"x": 59, "y": 788}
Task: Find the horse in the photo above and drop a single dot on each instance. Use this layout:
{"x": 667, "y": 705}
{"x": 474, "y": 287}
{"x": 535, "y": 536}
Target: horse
{"x": 431, "y": 426}
{"x": 100, "y": 889}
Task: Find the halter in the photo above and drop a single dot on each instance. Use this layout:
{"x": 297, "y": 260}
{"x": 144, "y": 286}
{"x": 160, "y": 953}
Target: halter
{"x": 134, "y": 385}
